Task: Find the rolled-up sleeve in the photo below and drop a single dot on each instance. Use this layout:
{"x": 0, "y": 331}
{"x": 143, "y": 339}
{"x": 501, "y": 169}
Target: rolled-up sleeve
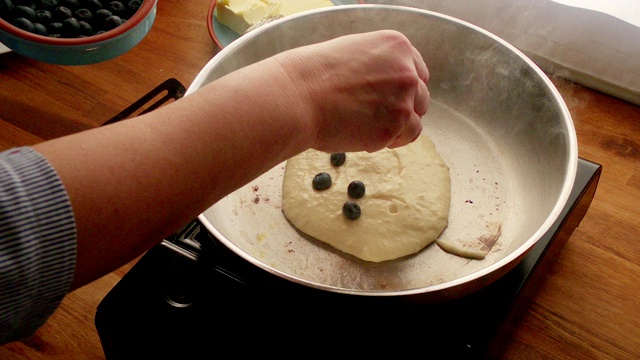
{"x": 37, "y": 242}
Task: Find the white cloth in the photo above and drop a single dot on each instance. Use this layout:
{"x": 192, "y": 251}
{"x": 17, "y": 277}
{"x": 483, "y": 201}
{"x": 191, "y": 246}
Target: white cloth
{"x": 592, "y": 42}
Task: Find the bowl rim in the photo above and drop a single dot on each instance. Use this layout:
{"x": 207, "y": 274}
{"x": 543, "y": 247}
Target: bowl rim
{"x": 144, "y": 10}
{"x": 211, "y": 30}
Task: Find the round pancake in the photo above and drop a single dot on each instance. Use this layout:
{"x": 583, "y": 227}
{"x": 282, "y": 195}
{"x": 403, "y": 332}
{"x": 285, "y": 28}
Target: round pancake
{"x": 405, "y": 206}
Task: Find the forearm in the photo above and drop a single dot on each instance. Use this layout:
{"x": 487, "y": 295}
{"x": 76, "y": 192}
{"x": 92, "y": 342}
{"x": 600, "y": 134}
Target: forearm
{"x": 135, "y": 182}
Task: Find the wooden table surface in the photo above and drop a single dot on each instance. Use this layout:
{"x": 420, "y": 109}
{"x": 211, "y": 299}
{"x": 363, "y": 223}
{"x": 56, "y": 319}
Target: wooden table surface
{"x": 587, "y": 306}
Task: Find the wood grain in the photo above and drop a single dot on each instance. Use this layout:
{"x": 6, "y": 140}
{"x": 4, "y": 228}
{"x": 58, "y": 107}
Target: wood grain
{"x": 587, "y": 306}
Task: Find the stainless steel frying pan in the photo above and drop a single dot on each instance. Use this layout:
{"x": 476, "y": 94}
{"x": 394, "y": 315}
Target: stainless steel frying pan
{"x": 497, "y": 120}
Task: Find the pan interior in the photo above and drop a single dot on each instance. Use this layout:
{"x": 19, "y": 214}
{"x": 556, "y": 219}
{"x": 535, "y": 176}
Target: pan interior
{"x": 495, "y": 118}
{"x": 482, "y": 206}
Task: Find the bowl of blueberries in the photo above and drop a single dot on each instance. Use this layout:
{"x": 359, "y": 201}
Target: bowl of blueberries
{"x": 74, "y": 32}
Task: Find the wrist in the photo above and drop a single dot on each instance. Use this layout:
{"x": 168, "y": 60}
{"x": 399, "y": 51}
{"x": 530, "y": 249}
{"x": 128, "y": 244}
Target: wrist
{"x": 298, "y": 86}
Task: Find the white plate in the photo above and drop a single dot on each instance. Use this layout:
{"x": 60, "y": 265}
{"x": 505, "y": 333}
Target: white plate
{"x": 3, "y": 49}
{"x": 223, "y": 36}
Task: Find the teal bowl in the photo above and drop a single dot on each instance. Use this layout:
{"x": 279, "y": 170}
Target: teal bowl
{"x": 81, "y": 51}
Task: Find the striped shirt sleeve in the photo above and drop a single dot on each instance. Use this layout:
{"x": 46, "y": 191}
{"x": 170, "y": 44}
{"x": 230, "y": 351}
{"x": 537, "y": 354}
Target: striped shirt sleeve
{"x": 37, "y": 242}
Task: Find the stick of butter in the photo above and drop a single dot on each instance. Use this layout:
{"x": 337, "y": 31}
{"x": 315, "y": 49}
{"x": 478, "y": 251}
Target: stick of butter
{"x": 239, "y": 15}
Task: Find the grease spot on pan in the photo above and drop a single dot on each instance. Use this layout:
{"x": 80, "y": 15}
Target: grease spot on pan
{"x": 490, "y": 239}
{"x": 260, "y": 237}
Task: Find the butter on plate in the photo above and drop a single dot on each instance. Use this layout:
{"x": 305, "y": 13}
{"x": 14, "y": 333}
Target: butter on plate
{"x": 239, "y": 15}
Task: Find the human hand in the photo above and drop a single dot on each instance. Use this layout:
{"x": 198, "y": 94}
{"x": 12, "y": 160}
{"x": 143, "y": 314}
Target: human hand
{"x": 365, "y": 91}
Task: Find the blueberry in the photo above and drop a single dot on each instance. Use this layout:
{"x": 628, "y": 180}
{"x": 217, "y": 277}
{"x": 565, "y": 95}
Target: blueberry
{"x": 85, "y": 28}
{"x": 83, "y": 15}
{"x": 70, "y": 28}
{"x": 28, "y": 3}
{"x": 116, "y": 7}
{"x": 93, "y": 5}
{"x": 351, "y": 210}
{"x": 26, "y": 12}
{"x": 338, "y": 159}
{"x": 112, "y": 22}
{"x": 102, "y": 14}
{"x": 70, "y": 4}
{"x": 48, "y": 4}
{"x": 133, "y": 6}
{"x": 322, "y": 181}
{"x": 44, "y": 16}
{"x": 54, "y": 28}
{"x": 6, "y": 7}
{"x": 51, "y": 17}
{"x": 40, "y": 29}
{"x": 24, "y": 24}
{"x": 356, "y": 189}
{"x": 60, "y": 13}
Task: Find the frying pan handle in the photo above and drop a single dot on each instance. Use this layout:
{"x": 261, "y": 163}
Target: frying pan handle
{"x": 211, "y": 255}
{"x": 175, "y": 90}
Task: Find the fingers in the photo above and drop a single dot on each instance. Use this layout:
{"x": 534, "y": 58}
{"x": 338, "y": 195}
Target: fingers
{"x": 418, "y": 97}
{"x": 421, "y": 66}
{"x": 409, "y": 134}
{"x": 413, "y": 129}
{"x": 421, "y": 99}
